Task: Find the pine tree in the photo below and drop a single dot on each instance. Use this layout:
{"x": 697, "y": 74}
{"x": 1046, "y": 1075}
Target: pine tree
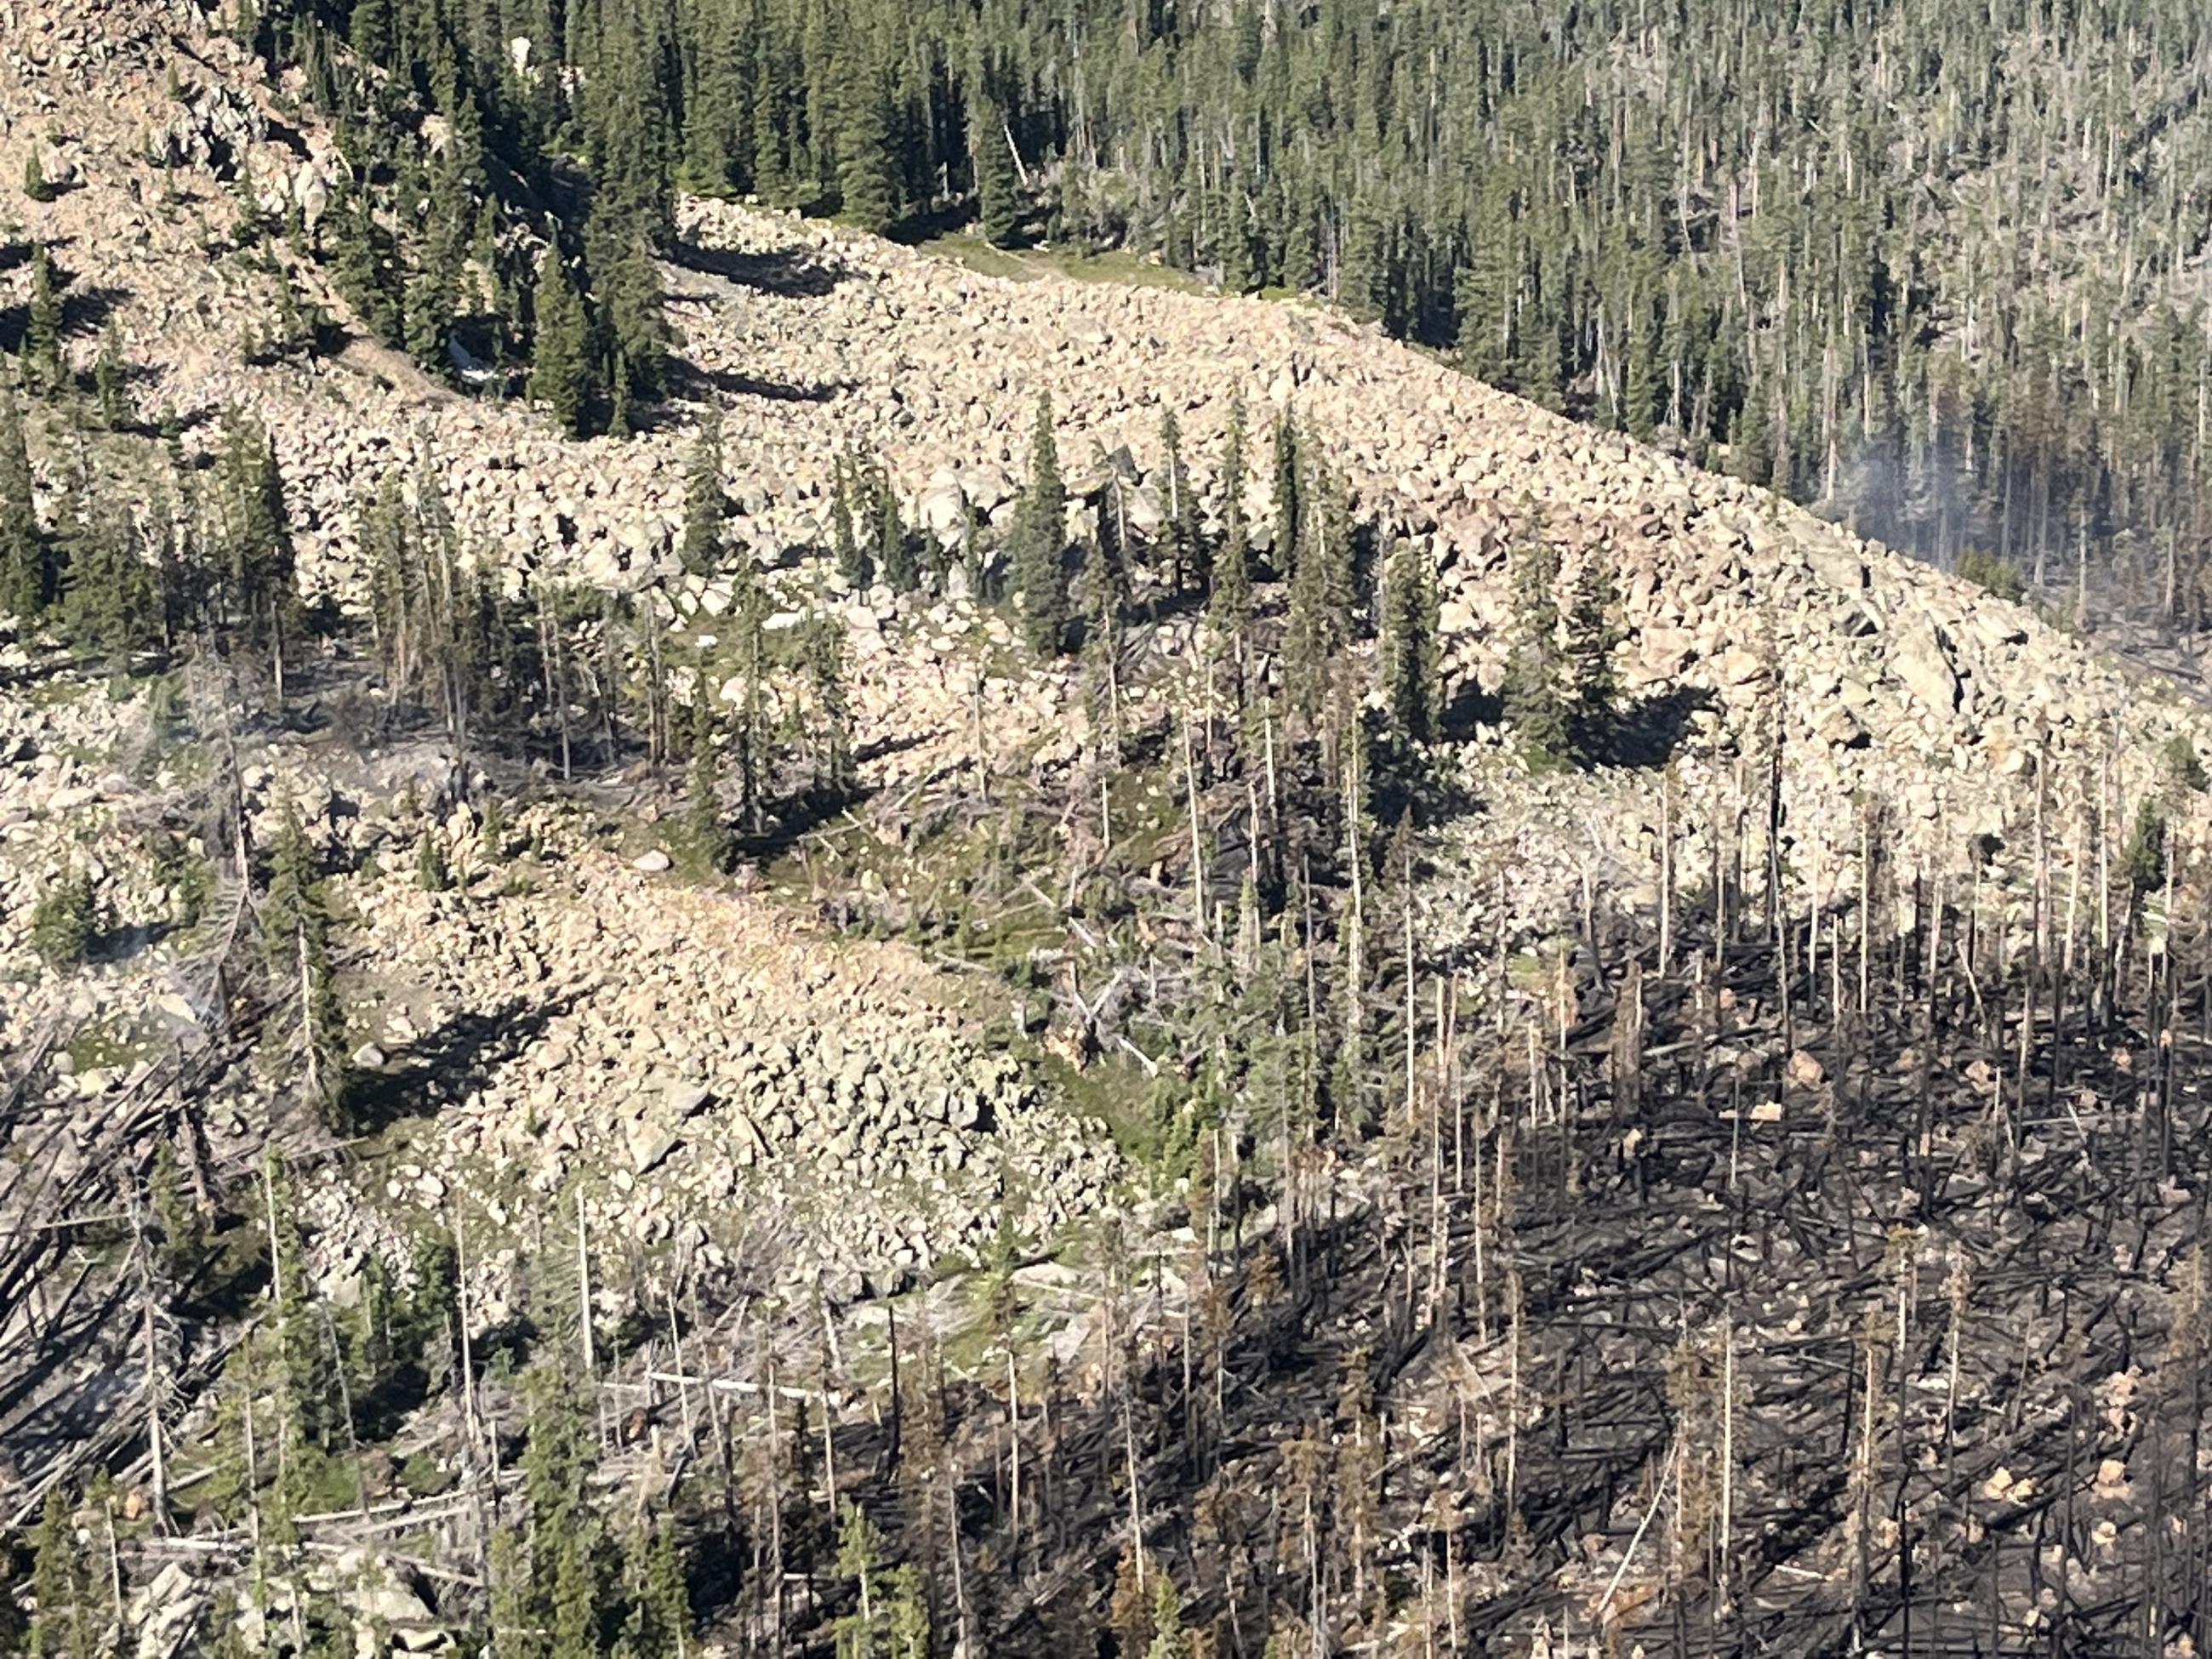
{"x": 29, "y": 578}
{"x": 61, "y": 1627}
{"x": 36, "y": 185}
{"x": 1535, "y": 693}
{"x": 309, "y": 1394}
{"x": 997, "y": 186}
{"x": 108, "y": 382}
{"x": 833, "y": 711}
{"x": 895, "y": 551}
{"x": 1290, "y": 524}
{"x": 42, "y": 335}
{"x": 665, "y": 1598}
{"x": 1188, "y": 558}
{"x": 1231, "y": 593}
{"x": 1041, "y": 540}
{"x": 1411, "y": 673}
{"x": 705, "y": 504}
{"x": 866, "y": 185}
{"x": 295, "y": 918}
{"x": 262, "y": 599}
{"x": 560, "y": 362}
{"x": 704, "y": 825}
{"x": 860, "y": 1558}
{"x": 1169, "y": 1639}
{"x": 854, "y": 564}
{"x": 109, "y": 604}
{"x": 431, "y": 873}
{"x": 1594, "y": 632}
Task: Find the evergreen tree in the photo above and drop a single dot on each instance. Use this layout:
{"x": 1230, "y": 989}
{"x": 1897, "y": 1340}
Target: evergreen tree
{"x": 998, "y": 192}
{"x": 895, "y": 551}
{"x": 1535, "y": 691}
{"x": 29, "y": 577}
{"x": 308, "y": 1400}
{"x": 833, "y": 711}
{"x": 432, "y": 874}
{"x": 294, "y": 917}
{"x": 61, "y": 1628}
{"x": 64, "y": 920}
{"x": 1232, "y": 593}
{"x": 1290, "y": 524}
{"x": 860, "y": 1558}
{"x": 34, "y": 178}
{"x": 1593, "y": 634}
{"x": 1041, "y": 540}
{"x": 109, "y": 603}
{"x": 560, "y": 363}
{"x": 42, "y": 334}
{"x": 107, "y": 382}
{"x": 260, "y": 598}
{"x": 853, "y": 564}
{"x": 866, "y": 183}
{"x": 1412, "y": 673}
{"x": 705, "y": 504}
{"x": 1186, "y": 541}
{"x": 704, "y": 825}
{"x": 1169, "y": 1639}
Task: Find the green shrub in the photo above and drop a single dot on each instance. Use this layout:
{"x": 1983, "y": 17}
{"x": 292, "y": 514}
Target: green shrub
{"x": 2145, "y": 861}
{"x": 1986, "y": 570}
{"x": 2182, "y": 763}
{"x": 64, "y": 920}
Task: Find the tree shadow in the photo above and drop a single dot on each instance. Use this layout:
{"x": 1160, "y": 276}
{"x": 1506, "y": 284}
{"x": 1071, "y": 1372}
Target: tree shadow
{"x": 689, "y": 380}
{"x": 83, "y": 311}
{"x": 460, "y": 1056}
{"x": 1650, "y": 729}
{"x": 1468, "y": 707}
{"x": 789, "y": 273}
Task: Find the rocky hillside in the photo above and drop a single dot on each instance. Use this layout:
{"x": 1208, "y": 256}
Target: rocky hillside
{"x": 781, "y": 1084}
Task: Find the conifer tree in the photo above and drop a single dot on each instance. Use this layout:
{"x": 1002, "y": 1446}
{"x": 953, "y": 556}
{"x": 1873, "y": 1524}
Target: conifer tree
{"x": 1593, "y": 633}
{"x": 309, "y": 1395}
{"x": 998, "y": 195}
{"x": 1169, "y": 1639}
{"x": 108, "y": 382}
{"x": 36, "y": 185}
{"x": 854, "y": 562}
{"x": 705, "y": 504}
{"x": 432, "y": 874}
{"x": 1041, "y": 540}
{"x": 29, "y": 578}
{"x": 65, "y": 918}
{"x": 1232, "y": 593}
{"x": 1290, "y": 524}
{"x": 295, "y": 920}
{"x": 1535, "y": 694}
{"x": 893, "y": 551}
{"x": 704, "y": 825}
{"x": 1187, "y": 559}
{"x": 860, "y": 1558}
{"x": 109, "y": 604}
{"x": 866, "y": 187}
{"x": 560, "y": 362}
{"x": 61, "y": 1628}
{"x": 833, "y": 712}
{"x": 262, "y": 599}
{"x": 1410, "y": 674}
{"x": 42, "y": 334}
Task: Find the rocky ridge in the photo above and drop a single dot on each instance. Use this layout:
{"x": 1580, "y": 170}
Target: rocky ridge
{"x": 1891, "y": 684}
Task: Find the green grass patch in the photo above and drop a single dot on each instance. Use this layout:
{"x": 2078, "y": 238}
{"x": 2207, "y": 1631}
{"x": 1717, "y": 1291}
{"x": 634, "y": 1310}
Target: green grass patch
{"x": 1030, "y": 265}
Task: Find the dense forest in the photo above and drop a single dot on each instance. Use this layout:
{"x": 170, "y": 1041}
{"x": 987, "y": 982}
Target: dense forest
{"x": 1935, "y": 270}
